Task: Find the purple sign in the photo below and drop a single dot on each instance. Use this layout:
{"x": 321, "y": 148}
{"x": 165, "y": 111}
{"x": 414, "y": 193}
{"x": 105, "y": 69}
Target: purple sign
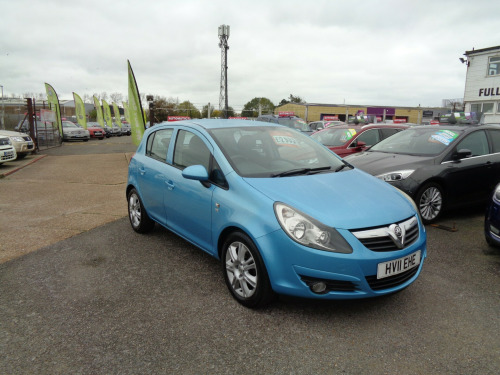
{"x": 378, "y": 111}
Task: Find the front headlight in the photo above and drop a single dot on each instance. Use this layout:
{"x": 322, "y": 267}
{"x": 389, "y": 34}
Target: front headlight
{"x": 17, "y": 139}
{"x": 496, "y": 194}
{"x": 396, "y": 176}
{"x": 309, "y": 232}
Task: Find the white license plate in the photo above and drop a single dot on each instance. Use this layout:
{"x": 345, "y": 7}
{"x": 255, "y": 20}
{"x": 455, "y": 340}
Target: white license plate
{"x": 400, "y": 265}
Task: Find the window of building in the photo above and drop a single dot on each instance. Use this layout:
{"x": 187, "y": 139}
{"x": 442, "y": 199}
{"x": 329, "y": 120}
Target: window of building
{"x": 475, "y": 107}
{"x": 488, "y": 107}
{"x": 494, "y": 66}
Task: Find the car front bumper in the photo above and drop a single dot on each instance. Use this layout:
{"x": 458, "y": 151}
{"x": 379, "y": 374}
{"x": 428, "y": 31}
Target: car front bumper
{"x": 492, "y": 224}
{"x": 294, "y": 269}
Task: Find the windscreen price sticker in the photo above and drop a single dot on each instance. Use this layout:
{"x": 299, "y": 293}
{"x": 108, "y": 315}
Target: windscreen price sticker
{"x": 397, "y": 266}
{"x": 444, "y": 136}
{"x": 283, "y": 140}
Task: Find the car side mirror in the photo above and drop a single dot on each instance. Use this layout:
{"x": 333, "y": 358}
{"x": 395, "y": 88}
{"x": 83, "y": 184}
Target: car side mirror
{"x": 358, "y": 144}
{"x": 195, "y": 172}
{"x": 462, "y": 154}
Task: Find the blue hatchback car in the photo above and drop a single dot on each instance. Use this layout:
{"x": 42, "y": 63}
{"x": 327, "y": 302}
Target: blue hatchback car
{"x": 492, "y": 219}
{"x": 282, "y": 213}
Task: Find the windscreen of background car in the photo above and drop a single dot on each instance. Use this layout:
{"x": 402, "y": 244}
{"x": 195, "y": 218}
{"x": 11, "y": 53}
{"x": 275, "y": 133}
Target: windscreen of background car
{"x": 334, "y": 137}
{"x": 265, "y": 151}
{"x": 294, "y": 123}
{"x": 425, "y": 142}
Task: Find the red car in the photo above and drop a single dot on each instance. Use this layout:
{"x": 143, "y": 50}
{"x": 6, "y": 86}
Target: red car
{"x": 349, "y": 139}
{"x": 95, "y": 130}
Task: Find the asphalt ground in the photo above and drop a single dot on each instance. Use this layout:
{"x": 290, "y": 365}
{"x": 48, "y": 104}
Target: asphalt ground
{"x": 106, "y": 300}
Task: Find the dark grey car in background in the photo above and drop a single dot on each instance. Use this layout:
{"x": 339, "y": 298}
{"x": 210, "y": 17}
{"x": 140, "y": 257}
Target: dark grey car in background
{"x": 440, "y": 167}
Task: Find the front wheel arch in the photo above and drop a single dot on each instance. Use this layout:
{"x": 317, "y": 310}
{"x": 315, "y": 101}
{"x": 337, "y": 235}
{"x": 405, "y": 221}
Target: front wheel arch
{"x": 263, "y": 293}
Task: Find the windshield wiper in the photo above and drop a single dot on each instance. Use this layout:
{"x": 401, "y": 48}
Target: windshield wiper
{"x": 299, "y": 171}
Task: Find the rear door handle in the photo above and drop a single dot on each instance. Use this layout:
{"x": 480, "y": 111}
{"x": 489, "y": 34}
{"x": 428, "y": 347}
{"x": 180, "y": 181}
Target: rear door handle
{"x": 142, "y": 170}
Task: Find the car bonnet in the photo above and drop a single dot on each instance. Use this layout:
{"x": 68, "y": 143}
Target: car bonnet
{"x": 376, "y": 163}
{"x": 348, "y": 199}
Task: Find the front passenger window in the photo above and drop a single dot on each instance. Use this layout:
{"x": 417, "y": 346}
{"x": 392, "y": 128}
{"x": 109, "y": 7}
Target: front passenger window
{"x": 476, "y": 142}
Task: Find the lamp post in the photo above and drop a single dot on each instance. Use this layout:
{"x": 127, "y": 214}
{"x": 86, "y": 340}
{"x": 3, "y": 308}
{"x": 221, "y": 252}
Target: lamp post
{"x": 3, "y": 111}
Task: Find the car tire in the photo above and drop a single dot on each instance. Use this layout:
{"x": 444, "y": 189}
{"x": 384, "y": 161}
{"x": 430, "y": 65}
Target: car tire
{"x": 244, "y": 272}
{"x": 139, "y": 219}
{"x": 21, "y": 156}
{"x": 430, "y": 202}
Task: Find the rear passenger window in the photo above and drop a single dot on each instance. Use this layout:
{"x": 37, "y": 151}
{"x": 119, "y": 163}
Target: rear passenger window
{"x": 495, "y": 138}
{"x": 158, "y": 143}
{"x": 386, "y": 133}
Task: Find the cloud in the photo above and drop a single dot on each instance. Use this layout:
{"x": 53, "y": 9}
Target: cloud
{"x": 379, "y": 53}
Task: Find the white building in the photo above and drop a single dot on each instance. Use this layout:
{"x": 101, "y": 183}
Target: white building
{"x": 482, "y": 84}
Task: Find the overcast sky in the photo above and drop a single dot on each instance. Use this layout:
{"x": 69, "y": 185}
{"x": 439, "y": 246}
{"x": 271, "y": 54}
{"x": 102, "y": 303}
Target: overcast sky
{"x": 394, "y": 53}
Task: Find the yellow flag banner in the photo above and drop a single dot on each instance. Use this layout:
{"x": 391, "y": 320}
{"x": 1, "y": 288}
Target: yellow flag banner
{"x": 137, "y": 123}
{"x": 107, "y": 113}
{"x": 80, "y": 111}
{"x": 98, "y": 108}
{"x": 54, "y": 106}
{"x": 116, "y": 111}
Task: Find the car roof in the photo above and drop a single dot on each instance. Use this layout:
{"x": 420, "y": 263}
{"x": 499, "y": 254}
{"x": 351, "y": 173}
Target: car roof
{"x": 209, "y": 124}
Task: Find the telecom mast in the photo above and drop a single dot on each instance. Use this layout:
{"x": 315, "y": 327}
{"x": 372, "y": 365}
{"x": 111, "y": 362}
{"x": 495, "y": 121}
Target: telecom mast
{"x": 223, "y": 37}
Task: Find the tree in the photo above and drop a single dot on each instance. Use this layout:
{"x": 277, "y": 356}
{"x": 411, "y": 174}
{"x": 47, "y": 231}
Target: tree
{"x": 186, "y": 108}
{"x": 292, "y": 99}
{"x": 257, "y": 106}
{"x": 164, "y": 107}
{"x": 204, "y": 111}
{"x": 116, "y": 97}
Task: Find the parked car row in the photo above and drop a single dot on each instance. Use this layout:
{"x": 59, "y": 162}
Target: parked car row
{"x": 21, "y": 142}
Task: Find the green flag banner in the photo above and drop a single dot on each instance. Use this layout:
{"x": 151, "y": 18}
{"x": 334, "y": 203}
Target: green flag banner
{"x": 137, "y": 123}
{"x": 107, "y": 113}
{"x": 125, "y": 110}
{"x": 100, "y": 117}
{"x": 80, "y": 111}
{"x": 116, "y": 111}
{"x": 54, "y": 106}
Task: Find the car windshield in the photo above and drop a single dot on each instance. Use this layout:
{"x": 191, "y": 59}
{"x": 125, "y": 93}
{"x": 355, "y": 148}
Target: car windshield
{"x": 68, "y": 124}
{"x": 274, "y": 152}
{"x": 334, "y": 137}
{"x": 294, "y": 123}
{"x": 418, "y": 141}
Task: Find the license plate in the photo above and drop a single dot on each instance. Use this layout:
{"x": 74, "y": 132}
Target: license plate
{"x": 397, "y": 266}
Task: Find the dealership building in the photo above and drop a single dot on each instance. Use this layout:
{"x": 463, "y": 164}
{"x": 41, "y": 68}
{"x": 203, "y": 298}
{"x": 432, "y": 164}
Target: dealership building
{"x": 315, "y": 112}
{"x": 482, "y": 85}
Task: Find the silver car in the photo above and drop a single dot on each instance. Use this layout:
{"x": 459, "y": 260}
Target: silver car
{"x": 22, "y": 142}
{"x": 7, "y": 151}
{"x": 71, "y": 131}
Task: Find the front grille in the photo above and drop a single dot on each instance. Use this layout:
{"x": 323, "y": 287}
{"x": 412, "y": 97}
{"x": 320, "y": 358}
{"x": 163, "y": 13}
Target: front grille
{"x": 391, "y": 281}
{"x": 331, "y": 285}
{"x": 385, "y": 239}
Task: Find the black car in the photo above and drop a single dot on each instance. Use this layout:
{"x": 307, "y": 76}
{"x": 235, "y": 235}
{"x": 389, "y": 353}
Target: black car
{"x": 440, "y": 167}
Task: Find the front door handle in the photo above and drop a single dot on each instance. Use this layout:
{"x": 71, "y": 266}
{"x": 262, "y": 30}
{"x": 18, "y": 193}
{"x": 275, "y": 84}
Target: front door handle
{"x": 170, "y": 185}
